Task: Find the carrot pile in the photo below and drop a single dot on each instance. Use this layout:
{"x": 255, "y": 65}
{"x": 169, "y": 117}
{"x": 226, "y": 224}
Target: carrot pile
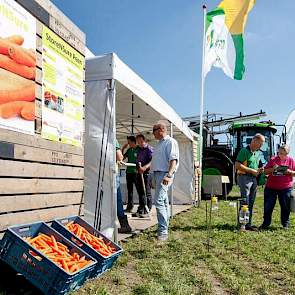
{"x": 97, "y": 243}
{"x": 57, "y": 253}
{"x": 22, "y": 62}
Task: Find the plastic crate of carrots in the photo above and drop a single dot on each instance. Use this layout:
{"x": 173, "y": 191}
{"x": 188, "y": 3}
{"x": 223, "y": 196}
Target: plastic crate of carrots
{"x": 77, "y": 230}
{"x": 46, "y": 258}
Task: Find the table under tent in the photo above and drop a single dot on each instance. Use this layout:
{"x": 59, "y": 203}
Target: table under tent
{"x": 120, "y": 103}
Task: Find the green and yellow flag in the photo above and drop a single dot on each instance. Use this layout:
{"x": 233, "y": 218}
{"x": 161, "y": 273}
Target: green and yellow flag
{"x": 224, "y": 47}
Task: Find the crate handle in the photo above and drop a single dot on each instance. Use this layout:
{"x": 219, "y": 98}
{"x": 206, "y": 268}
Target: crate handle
{"x": 24, "y": 229}
{"x": 63, "y": 221}
{"x": 76, "y": 242}
{"x": 35, "y": 255}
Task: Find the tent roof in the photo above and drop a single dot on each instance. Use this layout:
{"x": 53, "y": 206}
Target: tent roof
{"x": 149, "y": 107}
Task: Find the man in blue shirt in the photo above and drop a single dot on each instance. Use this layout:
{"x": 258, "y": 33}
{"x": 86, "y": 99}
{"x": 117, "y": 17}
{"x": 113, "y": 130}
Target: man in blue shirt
{"x": 164, "y": 164}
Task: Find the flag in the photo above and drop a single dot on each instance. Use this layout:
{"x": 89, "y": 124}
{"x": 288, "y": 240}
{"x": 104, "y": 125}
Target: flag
{"x": 224, "y": 43}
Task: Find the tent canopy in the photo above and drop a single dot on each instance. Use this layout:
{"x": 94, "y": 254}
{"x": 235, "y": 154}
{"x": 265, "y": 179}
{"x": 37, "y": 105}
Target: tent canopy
{"x": 149, "y": 107}
{"x": 119, "y": 103}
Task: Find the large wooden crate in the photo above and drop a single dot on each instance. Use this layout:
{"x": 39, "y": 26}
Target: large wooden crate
{"x": 41, "y": 179}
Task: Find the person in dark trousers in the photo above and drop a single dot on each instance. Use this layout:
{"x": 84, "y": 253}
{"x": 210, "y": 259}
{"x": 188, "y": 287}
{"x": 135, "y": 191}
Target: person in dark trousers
{"x": 131, "y": 155}
{"x": 280, "y": 170}
{"x": 247, "y": 163}
{"x": 143, "y": 163}
{"x": 123, "y": 220}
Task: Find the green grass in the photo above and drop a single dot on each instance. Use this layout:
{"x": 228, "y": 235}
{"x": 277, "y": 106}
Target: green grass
{"x": 265, "y": 263}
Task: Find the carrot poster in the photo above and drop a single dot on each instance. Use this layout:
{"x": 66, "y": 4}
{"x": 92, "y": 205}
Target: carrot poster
{"x": 62, "y": 90}
{"x": 17, "y": 67}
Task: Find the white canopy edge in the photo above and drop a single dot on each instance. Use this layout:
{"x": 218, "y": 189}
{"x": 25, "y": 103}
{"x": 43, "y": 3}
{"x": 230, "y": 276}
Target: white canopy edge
{"x": 110, "y": 66}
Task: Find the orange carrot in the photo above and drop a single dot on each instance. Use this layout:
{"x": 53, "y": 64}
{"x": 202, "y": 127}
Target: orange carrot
{"x": 21, "y": 55}
{"x": 16, "y": 39}
{"x": 28, "y": 112}
{"x": 12, "y": 66}
{"x": 24, "y": 94}
{"x": 12, "y": 109}
{"x": 65, "y": 266}
{"x": 58, "y": 253}
{"x": 97, "y": 243}
{"x": 4, "y": 45}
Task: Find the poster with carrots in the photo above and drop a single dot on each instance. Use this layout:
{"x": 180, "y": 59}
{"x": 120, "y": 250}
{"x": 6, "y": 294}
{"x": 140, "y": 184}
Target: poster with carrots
{"x": 62, "y": 91}
{"x": 17, "y": 67}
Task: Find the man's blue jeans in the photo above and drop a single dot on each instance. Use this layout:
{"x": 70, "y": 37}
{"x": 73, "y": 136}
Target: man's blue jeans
{"x": 162, "y": 202}
{"x": 248, "y": 188}
{"x": 270, "y": 198}
{"x": 120, "y": 208}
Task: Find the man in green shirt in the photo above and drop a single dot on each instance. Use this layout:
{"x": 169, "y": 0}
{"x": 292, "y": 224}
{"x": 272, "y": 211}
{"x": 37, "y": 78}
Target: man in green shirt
{"x": 131, "y": 155}
{"x": 247, "y": 166}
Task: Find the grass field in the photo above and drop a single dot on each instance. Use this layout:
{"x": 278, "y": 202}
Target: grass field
{"x": 265, "y": 263}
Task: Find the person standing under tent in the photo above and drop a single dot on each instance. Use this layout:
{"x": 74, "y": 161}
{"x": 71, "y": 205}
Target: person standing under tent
{"x": 247, "y": 164}
{"x": 123, "y": 220}
{"x": 164, "y": 165}
{"x": 279, "y": 184}
{"x": 143, "y": 163}
{"x": 131, "y": 155}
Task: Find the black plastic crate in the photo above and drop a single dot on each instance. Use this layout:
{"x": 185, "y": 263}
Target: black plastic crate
{"x": 103, "y": 263}
{"x": 42, "y": 272}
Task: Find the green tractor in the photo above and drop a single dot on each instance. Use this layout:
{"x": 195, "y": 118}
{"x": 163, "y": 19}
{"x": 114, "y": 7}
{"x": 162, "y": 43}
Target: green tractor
{"x": 219, "y": 158}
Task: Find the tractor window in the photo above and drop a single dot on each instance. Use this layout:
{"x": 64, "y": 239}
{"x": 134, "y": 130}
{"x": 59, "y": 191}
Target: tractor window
{"x": 265, "y": 153}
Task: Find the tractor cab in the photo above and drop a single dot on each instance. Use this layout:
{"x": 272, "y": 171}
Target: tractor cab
{"x": 242, "y": 135}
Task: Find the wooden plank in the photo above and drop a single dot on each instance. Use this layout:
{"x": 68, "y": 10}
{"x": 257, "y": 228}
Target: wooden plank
{"x": 35, "y": 9}
{"x": 38, "y": 76}
{"x": 22, "y": 152}
{"x": 39, "y": 28}
{"x": 27, "y": 169}
{"x": 38, "y": 91}
{"x": 38, "y": 142}
{"x": 30, "y": 202}
{"x": 38, "y": 215}
{"x": 38, "y": 108}
{"x": 39, "y": 43}
{"x": 9, "y": 186}
{"x": 54, "y": 11}
{"x": 38, "y": 126}
{"x": 39, "y": 59}
{"x": 56, "y": 24}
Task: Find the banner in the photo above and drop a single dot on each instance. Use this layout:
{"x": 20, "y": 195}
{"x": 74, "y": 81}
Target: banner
{"x": 224, "y": 46}
{"x": 62, "y": 91}
{"x": 17, "y": 67}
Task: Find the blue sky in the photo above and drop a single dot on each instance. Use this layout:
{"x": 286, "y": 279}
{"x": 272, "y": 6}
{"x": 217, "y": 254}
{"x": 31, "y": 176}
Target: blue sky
{"x": 161, "y": 41}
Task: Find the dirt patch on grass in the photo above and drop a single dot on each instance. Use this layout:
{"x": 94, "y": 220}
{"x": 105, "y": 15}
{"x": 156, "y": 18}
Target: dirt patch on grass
{"x": 215, "y": 283}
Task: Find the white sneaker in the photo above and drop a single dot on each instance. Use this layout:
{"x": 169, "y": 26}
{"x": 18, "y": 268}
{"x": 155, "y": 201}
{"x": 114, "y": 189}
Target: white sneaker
{"x": 162, "y": 238}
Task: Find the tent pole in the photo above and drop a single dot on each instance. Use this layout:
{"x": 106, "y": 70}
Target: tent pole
{"x": 132, "y": 114}
{"x": 171, "y": 189}
{"x": 202, "y": 103}
{"x": 113, "y": 83}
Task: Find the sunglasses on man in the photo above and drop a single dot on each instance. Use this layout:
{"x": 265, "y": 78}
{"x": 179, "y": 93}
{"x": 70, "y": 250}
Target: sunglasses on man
{"x": 155, "y": 129}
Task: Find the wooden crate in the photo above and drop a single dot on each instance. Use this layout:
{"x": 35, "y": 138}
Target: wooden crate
{"x": 41, "y": 179}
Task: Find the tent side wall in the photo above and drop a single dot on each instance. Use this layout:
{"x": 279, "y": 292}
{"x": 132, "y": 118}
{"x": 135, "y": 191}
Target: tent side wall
{"x": 99, "y": 184}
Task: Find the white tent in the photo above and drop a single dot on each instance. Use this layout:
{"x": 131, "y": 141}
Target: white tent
{"x": 119, "y": 103}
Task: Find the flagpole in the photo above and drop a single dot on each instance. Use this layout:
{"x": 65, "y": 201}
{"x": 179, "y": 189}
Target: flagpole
{"x": 202, "y": 104}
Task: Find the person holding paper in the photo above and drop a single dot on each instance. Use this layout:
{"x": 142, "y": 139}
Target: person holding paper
{"x": 280, "y": 170}
{"x": 131, "y": 155}
{"x": 143, "y": 163}
{"x": 247, "y": 166}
